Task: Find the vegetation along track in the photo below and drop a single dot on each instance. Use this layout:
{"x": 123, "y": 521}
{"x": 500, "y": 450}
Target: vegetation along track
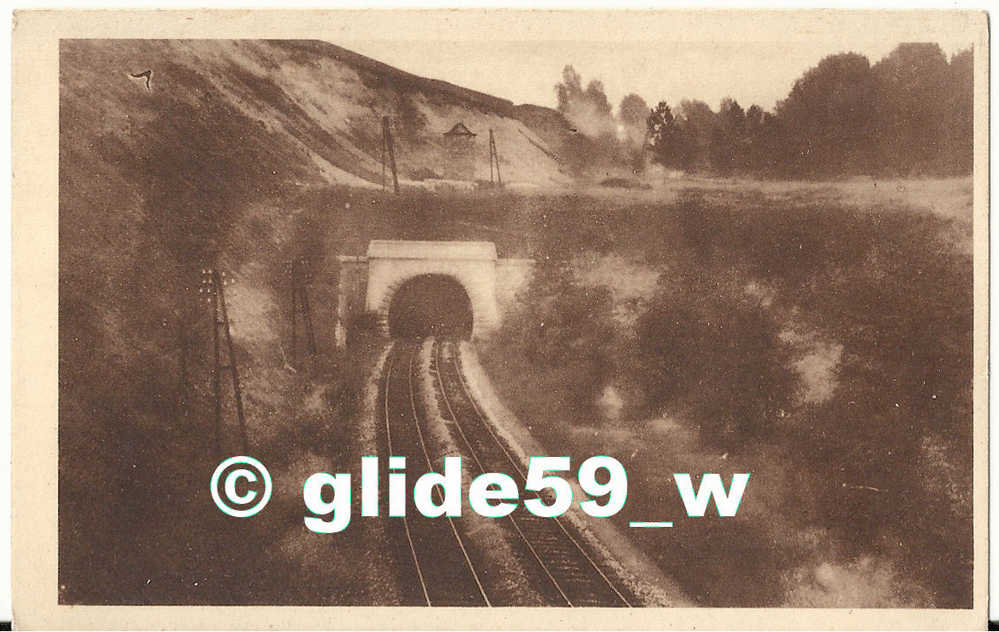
{"x": 565, "y": 573}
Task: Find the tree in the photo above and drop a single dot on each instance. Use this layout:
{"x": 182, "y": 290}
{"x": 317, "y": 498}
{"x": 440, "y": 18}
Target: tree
{"x": 827, "y": 118}
{"x": 757, "y": 128}
{"x": 728, "y": 147}
{"x": 569, "y": 90}
{"x": 670, "y": 146}
{"x": 697, "y": 120}
{"x": 589, "y": 110}
{"x": 911, "y": 86}
{"x": 959, "y": 114}
{"x": 633, "y": 110}
{"x": 632, "y": 114}
{"x": 912, "y": 113}
{"x": 593, "y": 143}
{"x": 761, "y": 131}
{"x": 754, "y": 119}
{"x": 598, "y": 98}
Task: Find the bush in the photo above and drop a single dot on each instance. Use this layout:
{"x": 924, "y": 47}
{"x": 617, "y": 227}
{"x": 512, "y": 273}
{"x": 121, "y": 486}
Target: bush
{"x": 710, "y": 349}
{"x": 424, "y": 173}
{"x": 624, "y": 183}
{"x": 561, "y": 324}
{"x": 879, "y": 465}
{"x": 361, "y": 326}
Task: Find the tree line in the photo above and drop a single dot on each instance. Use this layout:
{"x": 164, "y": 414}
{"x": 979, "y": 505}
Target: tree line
{"x": 909, "y": 114}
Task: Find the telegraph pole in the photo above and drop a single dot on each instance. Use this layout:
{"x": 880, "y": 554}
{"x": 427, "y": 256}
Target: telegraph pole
{"x": 387, "y": 146}
{"x": 301, "y": 275}
{"x": 213, "y": 287}
{"x": 494, "y": 158}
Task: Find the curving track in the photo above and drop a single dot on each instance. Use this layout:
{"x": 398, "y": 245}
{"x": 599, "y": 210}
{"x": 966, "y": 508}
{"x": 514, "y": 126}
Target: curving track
{"x": 572, "y": 577}
{"x": 438, "y": 558}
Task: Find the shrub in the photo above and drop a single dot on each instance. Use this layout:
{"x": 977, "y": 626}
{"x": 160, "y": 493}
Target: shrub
{"x": 361, "y": 326}
{"x": 563, "y": 325}
{"x": 710, "y": 349}
{"x": 424, "y": 173}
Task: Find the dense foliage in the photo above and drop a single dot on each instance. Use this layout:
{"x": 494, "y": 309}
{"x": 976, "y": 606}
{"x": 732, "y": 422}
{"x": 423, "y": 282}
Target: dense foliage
{"x": 910, "y": 114}
{"x": 879, "y": 463}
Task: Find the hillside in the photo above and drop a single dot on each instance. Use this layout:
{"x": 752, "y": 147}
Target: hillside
{"x": 241, "y": 155}
{"x": 313, "y": 107}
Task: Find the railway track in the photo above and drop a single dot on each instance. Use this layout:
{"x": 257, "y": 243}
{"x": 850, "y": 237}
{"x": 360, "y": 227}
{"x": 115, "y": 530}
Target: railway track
{"x": 571, "y": 576}
{"x": 442, "y": 573}
{"x": 441, "y": 564}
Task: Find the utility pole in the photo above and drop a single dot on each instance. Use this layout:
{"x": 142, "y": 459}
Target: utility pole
{"x": 213, "y": 286}
{"x": 387, "y": 146}
{"x": 301, "y": 274}
{"x": 494, "y": 158}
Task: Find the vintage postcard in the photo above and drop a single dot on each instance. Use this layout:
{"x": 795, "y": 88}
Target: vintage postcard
{"x": 494, "y": 319}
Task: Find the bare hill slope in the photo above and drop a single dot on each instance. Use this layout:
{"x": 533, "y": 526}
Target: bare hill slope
{"x": 311, "y": 108}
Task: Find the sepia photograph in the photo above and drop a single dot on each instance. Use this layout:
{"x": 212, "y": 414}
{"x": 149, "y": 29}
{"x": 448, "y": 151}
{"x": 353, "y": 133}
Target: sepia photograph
{"x": 548, "y": 319}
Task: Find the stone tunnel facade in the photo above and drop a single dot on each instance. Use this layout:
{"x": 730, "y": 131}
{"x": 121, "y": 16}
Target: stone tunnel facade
{"x": 368, "y": 283}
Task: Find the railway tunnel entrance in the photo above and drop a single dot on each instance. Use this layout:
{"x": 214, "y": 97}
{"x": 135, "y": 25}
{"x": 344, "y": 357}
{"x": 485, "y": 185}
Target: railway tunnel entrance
{"x": 430, "y": 305}
{"x": 457, "y": 289}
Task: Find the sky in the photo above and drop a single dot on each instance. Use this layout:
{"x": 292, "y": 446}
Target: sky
{"x": 760, "y": 72}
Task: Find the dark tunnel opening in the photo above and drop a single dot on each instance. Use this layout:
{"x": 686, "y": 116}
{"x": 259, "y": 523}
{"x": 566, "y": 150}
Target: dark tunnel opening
{"x": 430, "y": 305}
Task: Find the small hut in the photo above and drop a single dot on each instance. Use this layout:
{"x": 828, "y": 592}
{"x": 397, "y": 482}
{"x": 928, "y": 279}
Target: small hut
{"x": 459, "y": 146}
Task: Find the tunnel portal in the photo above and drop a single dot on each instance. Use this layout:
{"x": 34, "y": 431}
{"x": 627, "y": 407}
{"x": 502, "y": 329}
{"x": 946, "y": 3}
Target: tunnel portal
{"x": 431, "y": 305}
{"x": 368, "y": 284}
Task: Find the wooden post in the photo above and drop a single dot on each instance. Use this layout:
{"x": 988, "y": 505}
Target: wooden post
{"x": 494, "y": 155}
{"x": 216, "y": 368}
{"x": 237, "y": 392}
{"x": 300, "y": 277}
{"x": 294, "y": 312}
{"x": 213, "y": 284}
{"x": 310, "y": 335}
{"x": 387, "y": 136}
